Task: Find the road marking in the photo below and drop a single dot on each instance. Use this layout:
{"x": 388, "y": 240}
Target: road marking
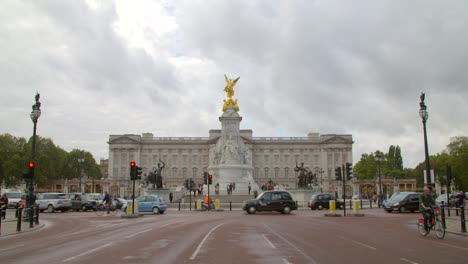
{"x": 268, "y": 241}
{"x": 445, "y": 244}
{"x": 285, "y": 261}
{"x": 409, "y": 261}
{"x": 141, "y": 232}
{"x": 74, "y": 233}
{"x": 194, "y": 255}
{"x": 87, "y": 252}
{"x": 10, "y": 248}
{"x": 291, "y": 244}
{"x": 359, "y": 243}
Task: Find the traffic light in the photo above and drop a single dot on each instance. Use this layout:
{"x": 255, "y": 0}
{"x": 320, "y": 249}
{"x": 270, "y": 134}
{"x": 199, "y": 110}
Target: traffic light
{"x": 30, "y": 173}
{"x": 205, "y": 177}
{"x": 338, "y": 173}
{"x": 132, "y": 170}
{"x": 138, "y": 173}
{"x": 210, "y": 179}
{"x": 31, "y": 164}
{"x": 349, "y": 171}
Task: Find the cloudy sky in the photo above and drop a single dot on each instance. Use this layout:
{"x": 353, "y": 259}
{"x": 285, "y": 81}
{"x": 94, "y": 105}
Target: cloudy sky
{"x": 352, "y": 67}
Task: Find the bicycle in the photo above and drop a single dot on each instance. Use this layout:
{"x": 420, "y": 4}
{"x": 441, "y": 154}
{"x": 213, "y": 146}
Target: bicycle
{"x": 434, "y": 222}
{"x": 102, "y": 209}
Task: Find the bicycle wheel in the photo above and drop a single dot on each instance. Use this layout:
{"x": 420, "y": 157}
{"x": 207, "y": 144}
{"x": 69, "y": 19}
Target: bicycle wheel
{"x": 112, "y": 210}
{"x": 99, "y": 210}
{"x": 421, "y": 229}
{"x": 439, "y": 228}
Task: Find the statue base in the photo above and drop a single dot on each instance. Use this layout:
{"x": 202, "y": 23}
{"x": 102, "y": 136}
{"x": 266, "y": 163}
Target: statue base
{"x": 240, "y": 175}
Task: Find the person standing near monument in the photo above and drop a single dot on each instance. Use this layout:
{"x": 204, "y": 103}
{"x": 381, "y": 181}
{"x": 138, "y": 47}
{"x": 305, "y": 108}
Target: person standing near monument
{"x": 170, "y": 197}
{"x": 249, "y": 188}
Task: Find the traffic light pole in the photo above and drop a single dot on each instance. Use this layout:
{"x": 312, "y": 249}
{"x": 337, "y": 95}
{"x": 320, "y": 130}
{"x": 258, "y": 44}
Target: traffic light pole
{"x": 190, "y": 193}
{"x": 133, "y": 196}
{"x": 344, "y": 189}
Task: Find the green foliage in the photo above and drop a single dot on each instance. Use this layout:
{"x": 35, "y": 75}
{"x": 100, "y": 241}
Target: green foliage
{"x": 52, "y": 162}
{"x": 391, "y": 165}
{"x": 458, "y": 151}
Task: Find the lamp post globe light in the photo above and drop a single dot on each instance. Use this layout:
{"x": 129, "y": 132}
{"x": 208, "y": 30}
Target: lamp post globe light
{"x": 425, "y": 116}
{"x": 35, "y": 114}
{"x": 378, "y": 158}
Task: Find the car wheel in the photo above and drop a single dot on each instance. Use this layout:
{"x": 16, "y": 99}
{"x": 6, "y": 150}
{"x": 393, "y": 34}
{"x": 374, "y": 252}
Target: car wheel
{"x": 156, "y": 210}
{"x": 340, "y": 206}
{"x": 83, "y": 208}
{"x": 286, "y": 210}
{"x": 312, "y": 208}
{"x": 388, "y": 211}
{"x": 320, "y": 207}
{"x": 252, "y": 210}
{"x": 161, "y": 212}
{"x": 402, "y": 209}
{"x": 41, "y": 211}
{"x": 50, "y": 208}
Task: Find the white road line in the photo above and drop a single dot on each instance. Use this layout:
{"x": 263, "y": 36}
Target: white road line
{"x": 87, "y": 252}
{"x": 285, "y": 261}
{"x": 141, "y": 232}
{"x": 10, "y": 248}
{"x": 445, "y": 244}
{"x": 169, "y": 224}
{"x": 194, "y": 255}
{"x": 409, "y": 261}
{"x": 359, "y": 243}
{"x": 74, "y": 233}
{"x": 268, "y": 241}
{"x": 291, "y": 244}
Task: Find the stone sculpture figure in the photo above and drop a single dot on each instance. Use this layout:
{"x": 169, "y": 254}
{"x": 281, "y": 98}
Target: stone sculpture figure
{"x": 155, "y": 177}
{"x": 302, "y": 175}
{"x": 229, "y": 89}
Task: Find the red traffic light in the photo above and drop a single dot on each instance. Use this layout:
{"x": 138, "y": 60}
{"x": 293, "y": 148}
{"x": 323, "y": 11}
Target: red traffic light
{"x": 210, "y": 176}
{"x": 132, "y": 164}
{"x": 31, "y": 165}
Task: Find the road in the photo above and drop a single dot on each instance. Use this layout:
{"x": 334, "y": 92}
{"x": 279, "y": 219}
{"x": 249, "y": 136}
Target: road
{"x": 231, "y": 237}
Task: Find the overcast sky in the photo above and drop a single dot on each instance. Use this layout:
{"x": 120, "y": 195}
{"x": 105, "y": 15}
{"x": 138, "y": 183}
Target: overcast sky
{"x": 345, "y": 67}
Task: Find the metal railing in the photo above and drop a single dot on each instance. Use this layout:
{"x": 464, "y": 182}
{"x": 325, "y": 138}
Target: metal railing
{"x": 27, "y": 215}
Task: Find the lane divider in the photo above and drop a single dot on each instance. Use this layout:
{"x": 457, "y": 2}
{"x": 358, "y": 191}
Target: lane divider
{"x": 195, "y": 253}
{"x": 141, "y": 232}
{"x": 88, "y": 252}
{"x": 268, "y": 241}
{"x": 359, "y": 243}
{"x": 407, "y": 260}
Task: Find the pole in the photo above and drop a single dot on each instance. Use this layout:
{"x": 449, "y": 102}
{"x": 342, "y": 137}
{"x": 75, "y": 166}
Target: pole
{"x": 344, "y": 190}
{"x": 448, "y": 170}
{"x": 190, "y": 193}
{"x": 426, "y": 153}
{"x": 208, "y": 182}
{"x": 133, "y": 196}
{"x": 380, "y": 186}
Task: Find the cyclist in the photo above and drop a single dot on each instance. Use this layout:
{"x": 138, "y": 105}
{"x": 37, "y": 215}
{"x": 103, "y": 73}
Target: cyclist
{"x": 107, "y": 201}
{"x": 426, "y": 205}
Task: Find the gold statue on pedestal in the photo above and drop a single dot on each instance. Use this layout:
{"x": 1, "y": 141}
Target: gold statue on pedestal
{"x": 229, "y": 89}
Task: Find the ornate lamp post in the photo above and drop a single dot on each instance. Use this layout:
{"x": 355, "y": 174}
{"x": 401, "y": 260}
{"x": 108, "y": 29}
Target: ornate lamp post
{"x": 424, "y": 116}
{"x": 81, "y": 161}
{"x": 321, "y": 171}
{"x": 378, "y": 158}
{"x": 35, "y": 114}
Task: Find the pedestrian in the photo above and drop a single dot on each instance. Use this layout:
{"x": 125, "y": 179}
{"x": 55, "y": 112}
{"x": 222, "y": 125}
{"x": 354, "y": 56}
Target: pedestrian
{"x": 3, "y": 205}
{"x": 234, "y": 186}
{"x": 249, "y": 188}
{"x": 460, "y": 199}
{"x": 170, "y": 197}
{"x": 107, "y": 201}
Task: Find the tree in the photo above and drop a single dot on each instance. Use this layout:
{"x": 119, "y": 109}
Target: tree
{"x": 458, "y": 151}
{"x": 366, "y": 168}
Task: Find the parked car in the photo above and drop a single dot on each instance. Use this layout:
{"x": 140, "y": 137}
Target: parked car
{"x": 403, "y": 202}
{"x": 13, "y": 198}
{"x": 322, "y": 201}
{"x": 280, "y": 201}
{"x": 119, "y": 202}
{"x": 148, "y": 203}
{"x": 96, "y": 197}
{"x": 442, "y": 199}
{"x": 83, "y": 202}
{"x": 53, "y": 201}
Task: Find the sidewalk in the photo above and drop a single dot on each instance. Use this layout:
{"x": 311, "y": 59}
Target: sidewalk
{"x": 453, "y": 225}
{"x": 9, "y": 224}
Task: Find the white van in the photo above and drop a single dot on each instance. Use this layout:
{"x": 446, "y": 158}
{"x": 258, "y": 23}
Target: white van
{"x": 14, "y": 198}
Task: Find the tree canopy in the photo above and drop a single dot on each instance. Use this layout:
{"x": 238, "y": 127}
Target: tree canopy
{"x": 51, "y": 161}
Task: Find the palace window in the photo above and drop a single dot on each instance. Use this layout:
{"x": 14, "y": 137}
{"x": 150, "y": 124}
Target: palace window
{"x": 174, "y": 172}
{"x": 194, "y": 172}
{"x": 286, "y": 172}
{"x": 266, "y": 173}
{"x": 277, "y": 170}
{"x": 116, "y": 172}
{"x": 267, "y": 159}
{"x": 184, "y": 172}
{"x": 276, "y": 159}
{"x": 174, "y": 159}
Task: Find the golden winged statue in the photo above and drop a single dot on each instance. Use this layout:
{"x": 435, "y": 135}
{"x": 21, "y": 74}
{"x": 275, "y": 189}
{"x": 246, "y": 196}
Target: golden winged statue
{"x": 229, "y": 89}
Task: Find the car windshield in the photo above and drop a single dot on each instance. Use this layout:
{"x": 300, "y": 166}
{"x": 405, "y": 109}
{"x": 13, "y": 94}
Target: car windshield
{"x": 13, "y": 195}
{"x": 62, "y": 196}
{"x": 398, "y": 197}
{"x": 314, "y": 196}
{"x": 95, "y": 197}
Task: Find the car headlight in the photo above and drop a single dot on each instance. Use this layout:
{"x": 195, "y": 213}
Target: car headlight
{"x": 395, "y": 204}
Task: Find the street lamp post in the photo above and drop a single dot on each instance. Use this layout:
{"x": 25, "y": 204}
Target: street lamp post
{"x": 424, "y": 116}
{"x": 81, "y": 161}
{"x": 378, "y": 158}
{"x": 35, "y": 114}
{"x": 321, "y": 171}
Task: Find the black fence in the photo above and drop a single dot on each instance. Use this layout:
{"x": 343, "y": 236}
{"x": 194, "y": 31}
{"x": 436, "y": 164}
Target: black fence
{"x": 28, "y": 216}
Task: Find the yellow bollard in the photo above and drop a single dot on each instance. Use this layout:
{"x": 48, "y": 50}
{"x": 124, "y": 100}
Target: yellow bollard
{"x": 198, "y": 204}
{"x": 356, "y": 206}
{"x": 217, "y": 204}
{"x": 332, "y": 205}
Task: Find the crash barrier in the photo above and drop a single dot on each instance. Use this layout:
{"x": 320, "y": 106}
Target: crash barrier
{"x": 29, "y": 215}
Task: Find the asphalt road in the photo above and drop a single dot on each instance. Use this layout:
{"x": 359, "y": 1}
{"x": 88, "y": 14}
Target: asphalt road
{"x": 231, "y": 237}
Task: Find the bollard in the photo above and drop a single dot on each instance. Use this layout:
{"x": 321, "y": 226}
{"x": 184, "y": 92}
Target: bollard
{"x": 297, "y": 205}
{"x": 37, "y": 214}
{"x": 16, "y": 211}
{"x": 332, "y": 206}
{"x": 230, "y": 205}
{"x": 370, "y": 203}
{"x": 356, "y": 206}
{"x": 0, "y": 222}
{"x": 456, "y": 212}
{"x": 31, "y": 217}
{"x": 20, "y": 215}
{"x": 442, "y": 213}
{"x": 361, "y": 204}
{"x": 462, "y": 219}
{"x": 350, "y": 204}
{"x": 217, "y": 204}
{"x": 448, "y": 211}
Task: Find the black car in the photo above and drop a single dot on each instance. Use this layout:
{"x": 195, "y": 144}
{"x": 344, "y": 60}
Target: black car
{"x": 322, "y": 201}
{"x": 279, "y": 201}
{"x": 83, "y": 202}
{"x": 403, "y": 202}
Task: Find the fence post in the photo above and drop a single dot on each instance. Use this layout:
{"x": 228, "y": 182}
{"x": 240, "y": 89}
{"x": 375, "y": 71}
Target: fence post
{"x": 462, "y": 219}
{"x": 1, "y": 211}
{"x": 179, "y": 205}
{"x": 448, "y": 211}
{"x": 297, "y": 205}
{"x": 20, "y": 216}
{"x": 350, "y": 204}
{"x": 31, "y": 216}
{"x": 370, "y": 203}
{"x": 37, "y": 214}
{"x": 443, "y": 217}
{"x": 230, "y": 205}
{"x": 456, "y": 212}
{"x": 361, "y": 205}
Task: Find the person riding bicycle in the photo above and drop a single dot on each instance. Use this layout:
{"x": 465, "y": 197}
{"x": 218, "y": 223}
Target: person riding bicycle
{"x": 426, "y": 205}
{"x": 107, "y": 201}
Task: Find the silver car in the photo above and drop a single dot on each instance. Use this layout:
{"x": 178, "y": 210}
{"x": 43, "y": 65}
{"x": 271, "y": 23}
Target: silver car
{"x": 54, "y": 201}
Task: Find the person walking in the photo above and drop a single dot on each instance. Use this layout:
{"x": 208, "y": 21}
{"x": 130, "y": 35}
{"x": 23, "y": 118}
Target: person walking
{"x": 249, "y": 188}
{"x": 460, "y": 199}
{"x": 3, "y": 205}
